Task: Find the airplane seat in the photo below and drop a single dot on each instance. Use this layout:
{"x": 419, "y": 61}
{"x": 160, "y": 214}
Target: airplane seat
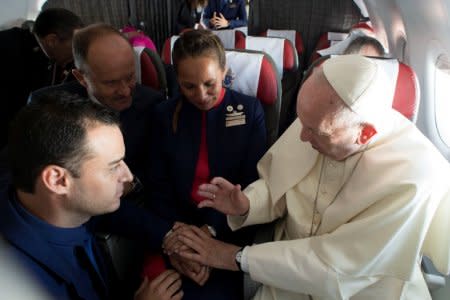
{"x": 125, "y": 256}
{"x": 285, "y": 57}
{"x": 166, "y": 56}
{"x": 281, "y": 50}
{"x": 231, "y": 38}
{"x": 322, "y": 43}
{"x": 137, "y": 38}
{"x": 436, "y": 247}
{"x": 363, "y": 26}
{"x": 150, "y": 69}
{"x": 166, "y": 53}
{"x": 407, "y": 92}
{"x": 244, "y": 66}
{"x": 326, "y": 40}
{"x": 292, "y": 35}
{"x": 329, "y": 39}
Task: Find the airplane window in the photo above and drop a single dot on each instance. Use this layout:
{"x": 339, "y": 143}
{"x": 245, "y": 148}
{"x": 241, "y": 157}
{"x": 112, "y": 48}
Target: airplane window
{"x": 442, "y": 99}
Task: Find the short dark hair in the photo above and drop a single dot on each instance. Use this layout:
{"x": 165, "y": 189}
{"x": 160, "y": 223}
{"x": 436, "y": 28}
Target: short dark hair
{"x": 53, "y": 131}
{"x": 357, "y": 44}
{"x": 59, "y": 21}
{"x": 196, "y": 43}
{"x": 83, "y": 39}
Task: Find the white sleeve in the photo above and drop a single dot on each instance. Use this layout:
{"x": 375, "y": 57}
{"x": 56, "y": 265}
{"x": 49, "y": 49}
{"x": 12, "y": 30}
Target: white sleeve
{"x": 262, "y": 208}
{"x": 294, "y": 266}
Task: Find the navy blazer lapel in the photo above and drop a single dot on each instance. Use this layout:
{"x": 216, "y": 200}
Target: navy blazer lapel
{"x": 214, "y": 134}
{"x": 190, "y": 122}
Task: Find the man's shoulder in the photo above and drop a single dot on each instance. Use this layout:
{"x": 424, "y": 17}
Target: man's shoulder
{"x": 146, "y": 95}
{"x": 73, "y": 87}
{"x": 408, "y": 153}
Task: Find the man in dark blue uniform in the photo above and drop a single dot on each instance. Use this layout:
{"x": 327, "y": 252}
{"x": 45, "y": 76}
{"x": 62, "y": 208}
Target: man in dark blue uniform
{"x": 225, "y": 14}
{"x": 34, "y": 59}
{"x": 105, "y": 72}
{"x": 63, "y": 179}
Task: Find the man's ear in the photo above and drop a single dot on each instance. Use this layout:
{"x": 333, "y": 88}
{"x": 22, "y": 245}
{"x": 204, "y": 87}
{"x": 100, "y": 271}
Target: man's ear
{"x": 56, "y": 179}
{"x": 367, "y": 132}
{"x": 80, "y": 77}
{"x": 50, "y": 40}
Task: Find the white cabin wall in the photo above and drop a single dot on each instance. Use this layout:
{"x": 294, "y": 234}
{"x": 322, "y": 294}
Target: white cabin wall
{"x": 14, "y": 12}
{"x": 424, "y": 25}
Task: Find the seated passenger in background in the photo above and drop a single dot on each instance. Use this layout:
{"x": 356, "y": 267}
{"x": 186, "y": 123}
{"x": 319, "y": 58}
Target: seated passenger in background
{"x": 225, "y": 14}
{"x": 208, "y": 131}
{"x": 354, "y": 186}
{"x": 365, "y": 45}
{"x": 105, "y": 70}
{"x": 34, "y": 59}
{"x": 63, "y": 179}
{"x": 189, "y": 15}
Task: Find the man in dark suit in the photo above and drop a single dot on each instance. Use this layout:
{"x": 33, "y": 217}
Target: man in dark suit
{"x": 34, "y": 59}
{"x": 105, "y": 72}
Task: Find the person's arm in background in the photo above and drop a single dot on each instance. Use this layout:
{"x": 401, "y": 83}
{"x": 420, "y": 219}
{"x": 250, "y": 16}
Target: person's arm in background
{"x": 207, "y": 15}
{"x": 183, "y": 19}
{"x": 241, "y": 19}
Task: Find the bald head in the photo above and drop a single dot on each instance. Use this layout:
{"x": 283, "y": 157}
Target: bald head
{"x": 98, "y": 41}
{"x": 105, "y": 65}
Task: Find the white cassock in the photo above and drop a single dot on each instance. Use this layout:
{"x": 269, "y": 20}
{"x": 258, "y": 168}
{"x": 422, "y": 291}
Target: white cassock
{"x": 368, "y": 216}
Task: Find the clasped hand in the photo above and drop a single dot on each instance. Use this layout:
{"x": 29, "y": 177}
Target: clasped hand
{"x": 192, "y": 248}
{"x": 172, "y": 245}
{"x": 218, "y": 21}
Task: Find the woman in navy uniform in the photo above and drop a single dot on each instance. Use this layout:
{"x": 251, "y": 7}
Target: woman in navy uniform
{"x": 208, "y": 131}
{"x": 225, "y": 14}
{"x": 189, "y": 15}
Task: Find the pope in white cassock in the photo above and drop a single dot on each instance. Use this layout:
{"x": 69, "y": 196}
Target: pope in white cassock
{"x": 354, "y": 186}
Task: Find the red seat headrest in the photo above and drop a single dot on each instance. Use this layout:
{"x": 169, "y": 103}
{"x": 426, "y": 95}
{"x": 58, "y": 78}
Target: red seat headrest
{"x": 298, "y": 41}
{"x": 407, "y": 92}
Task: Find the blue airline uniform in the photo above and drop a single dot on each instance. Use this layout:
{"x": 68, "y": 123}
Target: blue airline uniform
{"x": 236, "y": 140}
{"x": 233, "y": 10}
{"x": 68, "y": 262}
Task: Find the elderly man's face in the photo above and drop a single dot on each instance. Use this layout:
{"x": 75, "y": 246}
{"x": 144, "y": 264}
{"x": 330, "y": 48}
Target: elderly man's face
{"x": 316, "y": 112}
{"x": 110, "y": 72}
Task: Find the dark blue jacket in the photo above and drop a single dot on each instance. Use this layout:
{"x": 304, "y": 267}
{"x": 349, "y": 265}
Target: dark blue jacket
{"x": 135, "y": 121}
{"x": 233, "y": 153}
{"x": 23, "y": 64}
{"x": 50, "y": 269}
{"x": 233, "y": 10}
{"x": 186, "y": 17}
